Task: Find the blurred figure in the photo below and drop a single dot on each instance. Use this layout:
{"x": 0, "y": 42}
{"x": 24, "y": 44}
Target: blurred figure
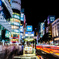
{"x": 1, "y": 47}
{"x": 20, "y": 50}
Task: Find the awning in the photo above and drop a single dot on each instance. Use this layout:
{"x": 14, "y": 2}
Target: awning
{"x": 5, "y": 24}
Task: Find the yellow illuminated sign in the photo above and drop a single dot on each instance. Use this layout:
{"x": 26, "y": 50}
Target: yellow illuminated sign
{"x": 14, "y": 20}
{"x": 14, "y": 27}
{"x": 14, "y": 39}
{"x": 29, "y": 39}
{"x": 16, "y": 14}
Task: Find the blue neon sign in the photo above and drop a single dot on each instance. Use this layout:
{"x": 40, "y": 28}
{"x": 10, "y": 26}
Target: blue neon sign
{"x": 29, "y": 28}
{"x": 22, "y": 16}
{"x": 0, "y": 2}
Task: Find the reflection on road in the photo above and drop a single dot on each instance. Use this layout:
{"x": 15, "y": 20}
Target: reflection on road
{"x": 48, "y": 49}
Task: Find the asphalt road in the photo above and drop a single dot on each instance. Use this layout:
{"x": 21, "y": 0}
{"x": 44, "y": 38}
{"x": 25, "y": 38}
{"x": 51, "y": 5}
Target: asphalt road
{"x": 45, "y": 55}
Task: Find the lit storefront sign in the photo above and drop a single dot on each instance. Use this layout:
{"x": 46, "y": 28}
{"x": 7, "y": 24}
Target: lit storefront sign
{"x": 16, "y": 16}
{"x": 14, "y": 20}
{"x": 29, "y": 28}
{"x": 42, "y": 28}
{"x": 16, "y": 13}
{"x": 22, "y": 16}
{"x": 16, "y": 30}
{"x": 15, "y": 23}
{"x": 21, "y": 35}
{"x": 0, "y": 2}
{"x": 29, "y": 39}
{"x": 29, "y": 33}
{"x": 56, "y": 39}
{"x": 14, "y": 40}
{"x": 7, "y": 34}
{"x": 14, "y": 27}
{"x": 14, "y": 33}
{"x": 21, "y": 29}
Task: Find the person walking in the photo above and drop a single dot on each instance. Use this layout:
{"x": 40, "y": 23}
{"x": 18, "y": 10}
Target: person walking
{"x": 20, "y": 49}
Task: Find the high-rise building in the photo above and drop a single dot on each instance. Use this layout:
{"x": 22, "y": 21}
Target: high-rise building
{"x": 55, "y": 31}
{"x": 15, "y": 20}
{"x": 5, "y": 13}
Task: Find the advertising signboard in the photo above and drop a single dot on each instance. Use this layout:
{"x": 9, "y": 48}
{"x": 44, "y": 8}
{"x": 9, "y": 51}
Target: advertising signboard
{"x": 14, "y": 20}
{"x": 7, "y": 34}
{"x": 50, "y": 19}
{"x": 21, "y": 35}
{"x": 42, "y": 29}
{"x": 0, "y": 2}
{"x": 15, "y": 23}
{"x": 22, "y": 16}
{"x": 16, "y": 30}
{"x": 21, "y": 29}
{"x": 29, "y": 28}
{"x": 29, "y": 33}
{"x": 16, "y": 16}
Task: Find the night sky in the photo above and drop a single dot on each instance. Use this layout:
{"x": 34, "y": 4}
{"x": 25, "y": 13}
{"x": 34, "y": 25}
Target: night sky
{"x": 37, "y": 11}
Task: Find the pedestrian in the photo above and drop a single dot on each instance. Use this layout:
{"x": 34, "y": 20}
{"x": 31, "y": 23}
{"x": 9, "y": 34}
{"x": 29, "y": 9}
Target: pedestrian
{"x": 20, "y": 50}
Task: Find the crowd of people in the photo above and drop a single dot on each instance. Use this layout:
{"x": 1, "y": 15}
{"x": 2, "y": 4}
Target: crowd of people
{"x": 8, "y": 51}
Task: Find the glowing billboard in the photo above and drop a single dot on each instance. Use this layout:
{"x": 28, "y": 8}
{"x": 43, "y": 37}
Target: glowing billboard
{"x": 0, "y": 3}
{"x": 50, "y": 19}
{"x": 16, "y": 16}
{"x": 29, "y": 28}
{"x": 22, "y": 16}
{"x": 7, "y": 34}
{"x": 29, "y": 33}
{"x": 14, "y": 27}
{"x": 15, "y": 23}
{"x": 14, "y": 20}
{"x": 42, "y": 29}
{"x": 16, "y": 30}
{"x": 21, "y": 29}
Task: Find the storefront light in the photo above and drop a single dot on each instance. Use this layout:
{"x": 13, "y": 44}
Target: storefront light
{"x": 14, "y": 27}
{"x": 14, "y": 20}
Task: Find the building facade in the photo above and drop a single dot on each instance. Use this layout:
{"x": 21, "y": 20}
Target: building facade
{"x": 5, "y": 14}
{"x": 15, "y": 21}
{"x": 55, "y": 30}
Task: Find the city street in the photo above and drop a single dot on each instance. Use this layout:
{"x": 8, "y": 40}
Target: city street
{"x": 45, "y": 55}
{"x": 48, "y": 51}
{"x": 29, "y": 30}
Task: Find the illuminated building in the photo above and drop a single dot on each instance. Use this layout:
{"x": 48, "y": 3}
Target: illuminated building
{"x": 55, "y": 30}
{"x": 50, "y": 20}
{"x": 5, "y": 13}
{"x": 15, "y": 20}
{"x": 22, "y": 24}
{"x": 42, "y": 29}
